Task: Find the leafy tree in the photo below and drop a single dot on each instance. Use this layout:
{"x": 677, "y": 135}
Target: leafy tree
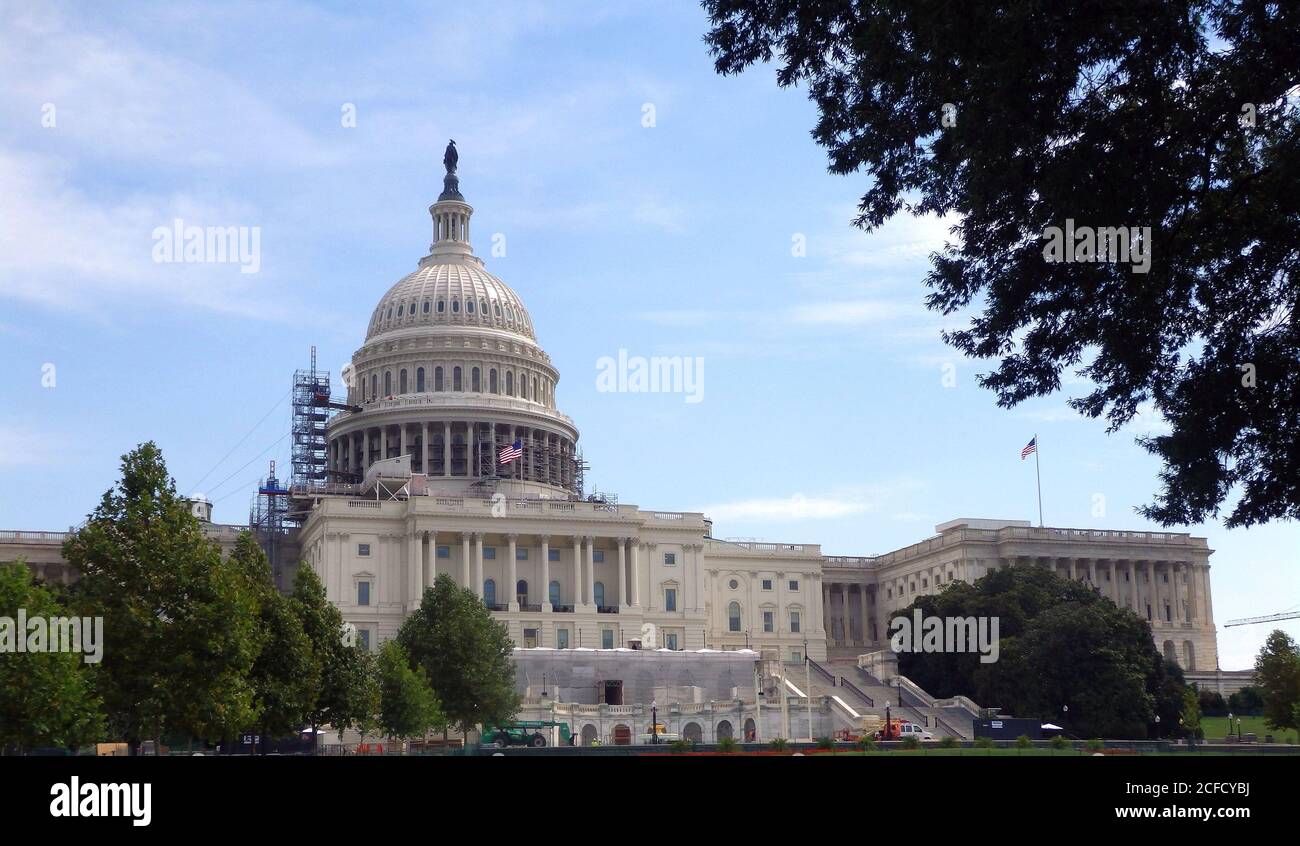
{"x": 46, "y": 698}
{"x": 1015, "y": 117}
{"x": 466, "y": 654}
{"x": 348, "y": 696}
{"x": 1212, "y": 703}
{"x": 286, "y": 676}
{"x": 1247, "y": 700}
{"x": 179, "y": 622}
{"x": 1061, "y": 644}
{"x": 408, "y": 706}
{"x": 1277, "y": 670}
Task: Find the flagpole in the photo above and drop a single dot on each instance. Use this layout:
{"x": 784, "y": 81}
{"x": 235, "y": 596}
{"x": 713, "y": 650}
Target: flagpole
{"x": 1038, "y": 474}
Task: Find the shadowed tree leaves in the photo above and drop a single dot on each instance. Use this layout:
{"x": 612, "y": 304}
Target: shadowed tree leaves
{"x": 466, "y": 654}
{"x": 408, "y": 706}
{"x": 46, "y": 698}
{"x": 1179, "y": 116}
{"x": 349, "y": 689}
{"x": 1061, "y": 644}
{"x": 286, "y": 675}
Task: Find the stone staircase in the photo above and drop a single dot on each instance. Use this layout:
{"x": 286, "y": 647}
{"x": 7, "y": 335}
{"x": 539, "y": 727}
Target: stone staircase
{"x": 866, "y": 694}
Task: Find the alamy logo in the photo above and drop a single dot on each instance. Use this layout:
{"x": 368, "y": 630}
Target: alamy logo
{"x": 1087, "y": 244}
{"x": 657, "y": 374}
{"x": 946, "y": 634}
{"x": 75, "y": 799}
{"x": 53, "y": 634}
{"x": 181, "y": 244}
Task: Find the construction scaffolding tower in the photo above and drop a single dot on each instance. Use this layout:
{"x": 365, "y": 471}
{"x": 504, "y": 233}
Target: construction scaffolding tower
{"x": 270, "y": 513}
{"x": 311, "y": 412}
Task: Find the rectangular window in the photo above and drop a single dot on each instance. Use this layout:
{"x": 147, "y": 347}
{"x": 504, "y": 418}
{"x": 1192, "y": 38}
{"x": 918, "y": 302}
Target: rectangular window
{"x": 768, "y": 618}
{"x": 521, "y": 555}
{"x": 796, "y": 656}
{"x": 552, "y": 555}
{"x": 363, "y": 593}
{"x": 562, "y": 638}
{"x": 670, "y": 641}
{"x": 767, "y": 584}
{"x": 794, "y": 622}
{"x": 670, "y": 599}
{"x": 363, "y": 639}
{"x": 794, "y": 584}
{"x": 598, "y": 556}
{"x": 606, "y": 638}
{"x": 489, "y": 553}
{"x": 363, "y": 550}
{"x": 670, "y": 559}
{"x": 444, "y": 552}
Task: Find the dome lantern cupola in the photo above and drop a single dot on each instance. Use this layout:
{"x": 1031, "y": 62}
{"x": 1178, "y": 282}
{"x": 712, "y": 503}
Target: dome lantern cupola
{"x": 451, "y": 213}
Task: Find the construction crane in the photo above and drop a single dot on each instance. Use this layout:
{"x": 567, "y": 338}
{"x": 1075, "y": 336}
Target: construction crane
{"x": 1267, "y": 618}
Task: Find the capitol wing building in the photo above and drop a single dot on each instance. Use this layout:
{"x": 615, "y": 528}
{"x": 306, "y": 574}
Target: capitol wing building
{"x": 451, "y": 457}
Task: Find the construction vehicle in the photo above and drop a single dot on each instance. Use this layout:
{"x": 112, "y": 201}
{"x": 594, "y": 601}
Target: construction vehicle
{"x": 657, "y": 733}
{"x": 877, "y": 728}
{"x": 533, "y": 733}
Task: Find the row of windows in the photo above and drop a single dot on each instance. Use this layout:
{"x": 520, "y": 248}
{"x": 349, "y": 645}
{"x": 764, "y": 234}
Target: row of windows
{"x": 506, "y": 312}
{"x": 529, "y": 386}
{"x": 769, "y": 618}
{"x": 521, "y": 554}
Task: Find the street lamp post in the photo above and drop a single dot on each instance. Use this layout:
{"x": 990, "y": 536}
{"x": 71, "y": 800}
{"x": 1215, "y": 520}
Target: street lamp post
{"x": 1228, "y": 736}
{"x": 886, "y": 737}
{"x": 1157, "y": 726}
{"x": 654, "y": 722}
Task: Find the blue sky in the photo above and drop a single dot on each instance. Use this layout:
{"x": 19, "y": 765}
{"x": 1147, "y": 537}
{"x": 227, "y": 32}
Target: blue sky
{"x": 825, "y": 415}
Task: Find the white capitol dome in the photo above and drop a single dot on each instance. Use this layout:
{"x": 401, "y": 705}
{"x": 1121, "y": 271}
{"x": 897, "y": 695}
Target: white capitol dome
{"x": 451, "y": 375}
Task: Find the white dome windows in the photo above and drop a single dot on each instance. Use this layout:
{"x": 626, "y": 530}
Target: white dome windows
{"x": 442, "y": 306}
{"x": 469, "y": 306}
{"x": 455, "y": 306}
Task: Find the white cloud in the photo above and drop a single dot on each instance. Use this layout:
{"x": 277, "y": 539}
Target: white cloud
{"x": 835, "y": 504}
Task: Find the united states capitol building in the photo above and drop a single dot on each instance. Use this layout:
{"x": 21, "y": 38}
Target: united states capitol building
{"x": 451, "y": 376}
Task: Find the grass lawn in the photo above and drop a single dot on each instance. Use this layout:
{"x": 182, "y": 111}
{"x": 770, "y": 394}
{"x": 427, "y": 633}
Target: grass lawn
{"x": 1217, "y": 727}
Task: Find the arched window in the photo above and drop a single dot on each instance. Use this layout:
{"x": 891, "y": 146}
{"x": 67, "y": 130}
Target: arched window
{"x": 401, "y": 381}
{"x": 455, "y": 306}
{"x": 455, "y": 379}
{"x": 733, "y": 617}
{"x": 510, "y": 383}
{"x": 388, "y": 383}
{"x": 474, "y": 381}
{"x": 469, "y": 306}
{"x": 555, "y": 593}
{"x": 426, "y": 307}
{"x": 599, "y": 590}
{"x": 437, "y": 378}
{"x": 523, "y": 386}
{"x": 497, "y": 308}
{"x": 535, "y": 397}
{"x": 419, "y": 380}
{"x": 492, "y": 380}
{"x": 489, "y": 592}
{"x": 442, "y": 306}
{"x": 521, "y": 592}
{"x": 374, "y": 387}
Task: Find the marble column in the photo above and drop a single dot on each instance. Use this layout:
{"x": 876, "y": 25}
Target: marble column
{"x": 478, "y": 564}
{"x": 577, "y": 572}
{"x": 464, "y": 562}
{"x": 636, "y": 573}
{"x": 591, "y": 571}
{"x": 622, "y": 574}
{"x": 546, "y": 567}
{"x": 513, "y": 604}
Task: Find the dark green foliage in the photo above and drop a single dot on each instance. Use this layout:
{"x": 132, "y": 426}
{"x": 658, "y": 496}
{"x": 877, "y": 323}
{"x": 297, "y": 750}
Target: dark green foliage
{"x": 1168, "y": 114}
{"x": 1060, "y": 645}
{"x": 408, "y": 706}
{"x": 348, "y": 696}
{"x": 46, "y": 698}
{"x": 180, "y": 624}
{"x": 466, "y": 654}
{"x": 1277, "y": 672}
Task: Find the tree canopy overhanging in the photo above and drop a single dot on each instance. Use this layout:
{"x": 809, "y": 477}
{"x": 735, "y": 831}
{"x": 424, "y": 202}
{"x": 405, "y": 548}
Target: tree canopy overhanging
{"x": 1170, "y": 122}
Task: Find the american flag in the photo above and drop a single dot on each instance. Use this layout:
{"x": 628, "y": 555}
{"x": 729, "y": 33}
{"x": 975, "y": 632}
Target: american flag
{"x": 1030, "y": 448}
{"x": 510, "y": 453}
